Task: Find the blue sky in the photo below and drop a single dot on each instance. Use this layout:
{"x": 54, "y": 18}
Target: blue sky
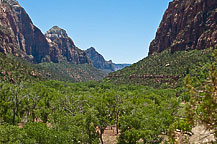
{"x": 121, "y": 30}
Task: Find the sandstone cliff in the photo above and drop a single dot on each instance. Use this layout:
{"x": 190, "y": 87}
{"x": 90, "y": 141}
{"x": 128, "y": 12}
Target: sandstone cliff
{"x": 187, "y": 25}
{"x": 62, "y": 47}
{"x": 18, "y": 35}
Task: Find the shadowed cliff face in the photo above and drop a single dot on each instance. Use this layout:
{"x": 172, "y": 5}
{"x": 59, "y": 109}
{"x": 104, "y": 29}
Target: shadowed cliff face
{"x": 62, "y": 47}
{"x": 98, "y": 60}
{"x": 18, "y": 35}
{"x": 186, "y": 25}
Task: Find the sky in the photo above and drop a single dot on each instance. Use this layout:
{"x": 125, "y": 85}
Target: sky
{"x": 120, "y": 30}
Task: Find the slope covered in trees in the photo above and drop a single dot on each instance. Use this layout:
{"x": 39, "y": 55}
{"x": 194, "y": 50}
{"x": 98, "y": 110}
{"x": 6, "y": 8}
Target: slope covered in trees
{"x": 16, "y": 70}
{"x": 164, "y": 69}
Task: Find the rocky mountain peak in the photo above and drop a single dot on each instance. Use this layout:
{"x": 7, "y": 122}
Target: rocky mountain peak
{"x": 62, "y": 47}
{"x": 56, "y": 32}
{"x": 10, "y": 2}
{"x": 91, "y": 49}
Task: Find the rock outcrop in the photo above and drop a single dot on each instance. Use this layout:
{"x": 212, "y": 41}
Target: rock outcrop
{"x": 98, "y": 60}
{"x": 187, "y": 25}
{"x": 62, "y": 47}
{"x": 18, "y": 35}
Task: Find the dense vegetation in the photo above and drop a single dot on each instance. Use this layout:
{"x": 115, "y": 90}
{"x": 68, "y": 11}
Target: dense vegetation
{"x": 61, "y": 112}
{"x": 65, "y": 71}
{"x": 162, "y": 69}
{"x": 202, "y": 96}
{"x": 16, "y": 70}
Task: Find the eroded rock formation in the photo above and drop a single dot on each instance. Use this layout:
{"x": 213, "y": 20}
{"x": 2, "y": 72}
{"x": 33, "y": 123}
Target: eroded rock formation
{"x": 62, "y": 47}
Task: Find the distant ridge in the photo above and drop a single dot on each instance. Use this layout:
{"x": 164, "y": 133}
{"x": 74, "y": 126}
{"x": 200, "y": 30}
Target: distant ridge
{"x": 100, "y": 63}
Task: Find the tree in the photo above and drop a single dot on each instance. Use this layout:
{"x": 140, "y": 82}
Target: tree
{"x": 203, "y": 102}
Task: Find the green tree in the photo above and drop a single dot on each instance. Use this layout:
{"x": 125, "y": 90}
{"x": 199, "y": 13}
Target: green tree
{"x": 203, "y": 102}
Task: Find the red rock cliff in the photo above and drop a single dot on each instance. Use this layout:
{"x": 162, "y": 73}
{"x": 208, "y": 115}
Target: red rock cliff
{"x": 18, "y": 35}
{"x": 186, "y": 25}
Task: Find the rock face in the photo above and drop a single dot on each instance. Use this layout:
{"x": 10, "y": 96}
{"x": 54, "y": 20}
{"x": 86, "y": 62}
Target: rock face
{"x": 187, "y": 25}
{"x": 18, "y": 35}
{"x": 62, "y": 47}
{"x": 98, "y": 60}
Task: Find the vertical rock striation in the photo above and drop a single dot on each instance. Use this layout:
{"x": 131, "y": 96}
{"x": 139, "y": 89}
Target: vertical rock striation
{"x": 187, "y": 25}
{"x": 18, "y": 35}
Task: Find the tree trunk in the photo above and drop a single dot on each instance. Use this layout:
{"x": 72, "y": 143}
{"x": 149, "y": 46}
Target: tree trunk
{"x": 15, "y": 109}
{"x": 100, "y": 136}
{"x": 116, "y": 123}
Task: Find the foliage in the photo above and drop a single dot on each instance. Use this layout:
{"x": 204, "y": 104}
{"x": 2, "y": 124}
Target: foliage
{"x": 203, "y": 96}
{"x": 14, "y": 71}
{"x": 59, "y": 112}
{"x": 66, "y": 71}
{"x": 165, "y": 64}
{"x": 17, "y": 70}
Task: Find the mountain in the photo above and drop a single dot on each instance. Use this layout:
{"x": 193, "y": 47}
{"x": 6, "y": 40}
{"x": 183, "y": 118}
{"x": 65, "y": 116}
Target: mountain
{"x": 18, "y": 35}
{"x": 54, "y": 54}
{"x": 100, "y": 63}
{"x": 98, "y": 60}
{"x": 187, "y": 31}
{"x": 187, "y": 25}
{"x": 62, "y": 47}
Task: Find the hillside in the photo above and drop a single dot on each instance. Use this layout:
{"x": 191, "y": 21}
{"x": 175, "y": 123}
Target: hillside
{"x": 15, "y": 70}
{"x": 165, "y": 69}
{"x": 65, "y": 71}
